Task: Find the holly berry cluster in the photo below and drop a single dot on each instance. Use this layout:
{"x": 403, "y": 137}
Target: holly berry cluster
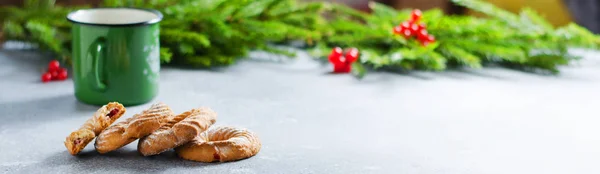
{"x": 54, "y": 72}
{"x": 414, "y": 28}
{"x": 343, "y": 63}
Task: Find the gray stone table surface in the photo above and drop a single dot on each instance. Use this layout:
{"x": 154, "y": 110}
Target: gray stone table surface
{"x": 490, "y": 121}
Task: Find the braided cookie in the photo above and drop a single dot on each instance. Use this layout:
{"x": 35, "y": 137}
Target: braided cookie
{"x": 221, "y": 144}
{"x": 140, "y": 125}
{"x": 177, "y": 131}
{"x": 103, "y": 118}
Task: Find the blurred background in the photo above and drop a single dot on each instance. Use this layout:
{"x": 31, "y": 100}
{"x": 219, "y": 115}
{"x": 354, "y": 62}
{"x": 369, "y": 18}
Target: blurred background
{"x": 558, "y": 12}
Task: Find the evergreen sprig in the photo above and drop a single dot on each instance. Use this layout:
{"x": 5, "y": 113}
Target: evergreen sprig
{"x": 522, "y": 40}
{"x": 206, "y": 33}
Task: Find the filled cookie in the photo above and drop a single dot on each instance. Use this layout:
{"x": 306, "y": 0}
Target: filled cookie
{"x": 177, "y": 131}
{"x": 102, "y": 119}
{"x": 140, "y": 125}
{"x": 221, "y": 144}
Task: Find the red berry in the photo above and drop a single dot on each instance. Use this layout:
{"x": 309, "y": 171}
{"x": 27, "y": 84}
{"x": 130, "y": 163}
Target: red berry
{"x": 342, "y": 68}
{"x": 422, "y": 35}
{"x": 335, "y": 55}
{"x": 397, "y": 30}
{"x": 416, "y": 15}
{"x": 405, "y": 24}
{"x": 425, "y": 43}
{"x": 337, "y": 52}
{"x": 422, "y": 26}
{"x": 61, "y": 70}
{"x": 351, "y": 56}
{"x": 53, "y": 66}
{"x": 414, "y": 28}
{"x": 407, "y": 33}
{"x": 54, "y": 75}
{"x": 431, "y": 38}
{"x": 46, "y": 77}
{"x": 62, "y": 74}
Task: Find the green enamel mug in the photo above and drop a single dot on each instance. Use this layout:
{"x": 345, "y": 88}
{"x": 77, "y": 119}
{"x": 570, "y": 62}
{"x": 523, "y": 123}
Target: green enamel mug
{"x": 115, "y": 55}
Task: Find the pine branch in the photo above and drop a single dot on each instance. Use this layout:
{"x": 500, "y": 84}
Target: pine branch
{"x": 528, "y": 15}
{"x": 207, "y": 33}
{"x": 44, "y": 34}
{"x": 252, "y": 9}
{"x": 524, "y": 40}
{"x": 13, "y": 30}
{"x": 165, "y": 55}
{"x": 460, "y": 55}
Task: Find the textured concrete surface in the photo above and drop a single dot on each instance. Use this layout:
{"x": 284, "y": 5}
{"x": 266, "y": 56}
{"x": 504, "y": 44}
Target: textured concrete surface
{"x": 492, "y": 121}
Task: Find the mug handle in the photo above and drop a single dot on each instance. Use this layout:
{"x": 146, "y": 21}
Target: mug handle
{"x": 97, "y": 50}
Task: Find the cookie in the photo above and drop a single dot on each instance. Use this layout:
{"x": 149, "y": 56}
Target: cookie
{"x": 177, "y": 131}
{"x": 103, "y": 118}
{"x": 140, "y": 125}
{"x": 220, "y": 144}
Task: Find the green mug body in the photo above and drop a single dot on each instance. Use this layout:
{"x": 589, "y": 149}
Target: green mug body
{"x": 115, "y": 55}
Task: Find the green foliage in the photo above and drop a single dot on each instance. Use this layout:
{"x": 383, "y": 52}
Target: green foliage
{"x": 206, "y": 33}
{"x": 199, "y": 33}
{"x": 460, "y": 55}
{"x": 165, "y": 55}
{"x": 13, "y": 29}
{"x": 522, "y": 40}
{"x": 40, "y": 22}
{"x": 218, "y": 32}
{"x": 43, "y": 34}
